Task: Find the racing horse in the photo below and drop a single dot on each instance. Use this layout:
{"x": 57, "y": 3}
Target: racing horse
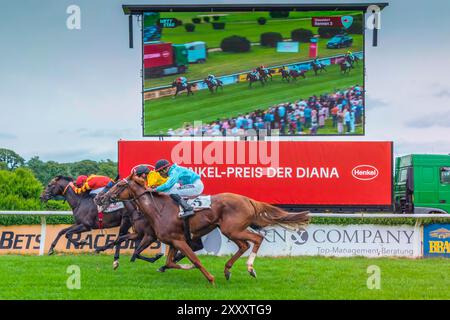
{"x": 86, "y": 216}
{"x": 294, "y": 74}
{"x": 232, "y": 213}
{"x": 265, "y": 74}
{"x": 212, "y": 85}
{"x": 352, "y": 61}
{"x": 285, "y": 74}
{"x": 180, "y": 88}
{"x": 345, "y": 67}
{"x": 253, "y": 78}
{"x": 318, "y": 67}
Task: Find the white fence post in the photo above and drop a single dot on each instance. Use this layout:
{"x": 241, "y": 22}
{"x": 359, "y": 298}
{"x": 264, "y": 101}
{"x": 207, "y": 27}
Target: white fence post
{"x": 43, "y": 235}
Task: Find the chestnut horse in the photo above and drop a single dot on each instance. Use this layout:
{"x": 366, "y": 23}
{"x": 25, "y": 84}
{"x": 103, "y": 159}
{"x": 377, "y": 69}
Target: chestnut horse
{"x": 232, "y": 213}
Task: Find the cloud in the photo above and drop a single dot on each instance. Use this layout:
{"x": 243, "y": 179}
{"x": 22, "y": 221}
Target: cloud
{"x": 372, "y": 103}
{"x": 6, "y": 135}
{"x": 433, "y": 120}
{"x": 98, "y": 133}
{"x": 427, "y": 147}
{"x": 79, "y": 154}
{"x": 443, "y": 93}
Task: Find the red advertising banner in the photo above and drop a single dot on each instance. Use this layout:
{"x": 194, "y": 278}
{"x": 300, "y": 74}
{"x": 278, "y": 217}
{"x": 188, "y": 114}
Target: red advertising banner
{"x": 292, "y": 173}
{"x": 157, "y": 54}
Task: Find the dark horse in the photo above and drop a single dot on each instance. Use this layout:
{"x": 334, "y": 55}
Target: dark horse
{"x": 85, "y": 214}
{"x": 212, "y": 85}
{"x": 295, "y": 74}
{"x": 180, "y": 88}
{"x": 252, "y": 78}
{"x": 318, "y": 67}
{"x": 345, "y": 67}
{"x": 265, "y": 74}
{"x": 285, "y": 74}
{"x": 232, "y": 213}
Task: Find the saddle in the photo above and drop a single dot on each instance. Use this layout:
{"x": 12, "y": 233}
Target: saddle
{"x": 198, "y": 203}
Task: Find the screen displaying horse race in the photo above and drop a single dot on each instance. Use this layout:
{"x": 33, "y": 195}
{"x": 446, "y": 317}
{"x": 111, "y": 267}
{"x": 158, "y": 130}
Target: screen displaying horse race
{"x": 286, "y": 73}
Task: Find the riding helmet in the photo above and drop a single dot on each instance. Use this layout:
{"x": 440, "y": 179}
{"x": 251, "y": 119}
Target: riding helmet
{"x": 81, "y": 180}
{"x": 161, "y": 164}
{"x": 141, "y": 170}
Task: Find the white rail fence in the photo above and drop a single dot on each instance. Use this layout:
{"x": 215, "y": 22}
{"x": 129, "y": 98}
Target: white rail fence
{"x": 418, "y": 217}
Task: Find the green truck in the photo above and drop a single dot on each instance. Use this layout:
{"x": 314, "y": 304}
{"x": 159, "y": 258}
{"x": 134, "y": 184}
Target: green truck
{"x": 422, "y": 184}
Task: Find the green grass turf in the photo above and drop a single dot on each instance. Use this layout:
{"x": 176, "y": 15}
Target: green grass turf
{"x": 222, "y": 63}
{"x": 33, "y": 277}
{"x": 164, "y": 113}
{"x": 242, "y": 24}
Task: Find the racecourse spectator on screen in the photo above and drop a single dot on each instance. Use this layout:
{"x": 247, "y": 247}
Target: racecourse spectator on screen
{"x": 342, "y": 111}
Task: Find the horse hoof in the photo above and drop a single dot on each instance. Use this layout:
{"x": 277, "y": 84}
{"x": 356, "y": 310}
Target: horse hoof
{"x": 227, "y": 275}
{"x": 252, "y": 273}
{"x": 212, "y": 281}
{"x": 50, "y": 252}
{"x": 115, "y": 265}
{"x": 156, "y": 257}
{"x": 162, "y": 269}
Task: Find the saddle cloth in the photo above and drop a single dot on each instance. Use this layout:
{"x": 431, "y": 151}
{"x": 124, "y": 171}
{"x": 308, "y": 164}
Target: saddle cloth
{"x": 114, "y": 207}
{"x": 199, "y": 203}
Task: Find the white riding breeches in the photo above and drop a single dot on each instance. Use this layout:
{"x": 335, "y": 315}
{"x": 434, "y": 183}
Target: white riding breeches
{"x": 188, "y": 190}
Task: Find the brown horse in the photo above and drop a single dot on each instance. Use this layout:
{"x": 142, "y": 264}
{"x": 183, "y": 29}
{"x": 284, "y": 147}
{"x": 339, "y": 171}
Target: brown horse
{"x": 232, "y": 213}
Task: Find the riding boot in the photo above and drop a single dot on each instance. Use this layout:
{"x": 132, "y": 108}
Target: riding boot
{"x": 187, "y": 209}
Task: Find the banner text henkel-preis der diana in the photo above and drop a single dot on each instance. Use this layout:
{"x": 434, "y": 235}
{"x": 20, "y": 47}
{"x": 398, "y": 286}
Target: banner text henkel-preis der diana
{"x": 304, "y": 173}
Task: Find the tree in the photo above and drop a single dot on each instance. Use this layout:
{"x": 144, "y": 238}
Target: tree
{"x": 12, "y": 159}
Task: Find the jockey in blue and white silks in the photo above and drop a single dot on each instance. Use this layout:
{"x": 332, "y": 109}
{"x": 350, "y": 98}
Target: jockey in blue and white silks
{"x": 255, "y": 74}
{"x": 213, "y": 79}
{"x": 181, "y": 182}
{"x": 182, "y": 80}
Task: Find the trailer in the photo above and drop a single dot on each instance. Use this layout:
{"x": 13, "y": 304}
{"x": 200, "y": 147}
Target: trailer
{"x": 163, "y": 58}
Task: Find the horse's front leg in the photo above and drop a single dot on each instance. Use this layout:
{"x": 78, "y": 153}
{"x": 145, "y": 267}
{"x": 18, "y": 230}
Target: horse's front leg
{"x": 60, "y": 234}
{"x": 125, "y": 225}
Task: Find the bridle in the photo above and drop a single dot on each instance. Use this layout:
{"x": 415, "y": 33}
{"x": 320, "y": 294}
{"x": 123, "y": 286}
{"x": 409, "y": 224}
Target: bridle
{"x": 134, "y": 198}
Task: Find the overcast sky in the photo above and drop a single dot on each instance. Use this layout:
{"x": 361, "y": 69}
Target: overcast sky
{"x": 69, "y": 95}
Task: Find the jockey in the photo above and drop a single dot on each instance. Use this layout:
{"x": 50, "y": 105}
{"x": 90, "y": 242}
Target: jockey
{"x": 350, "y": 55}
{"x": 255, "y": 73}
{"x": 182, "y": 81}
{"x": 94, "y": 183}
{"x": 181, "y": 182}
{"x": 212, "y": 78}
{"x": 264, "y": 69}
{"x": 152, "y": 178}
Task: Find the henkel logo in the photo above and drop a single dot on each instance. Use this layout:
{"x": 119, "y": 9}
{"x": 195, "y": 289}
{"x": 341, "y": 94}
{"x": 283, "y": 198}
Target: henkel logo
{"x": 165, "y": 54}
{"x": 364, "y": 172}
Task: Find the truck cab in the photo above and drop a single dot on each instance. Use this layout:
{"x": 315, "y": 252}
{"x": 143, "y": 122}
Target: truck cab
{"x": 422, "y": 183}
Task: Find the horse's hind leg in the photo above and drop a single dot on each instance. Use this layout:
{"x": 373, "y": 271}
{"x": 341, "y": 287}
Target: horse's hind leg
{"x": 256, "y": 239}
{"x": 187, "y": 251}
{"x": 243, "y": 246}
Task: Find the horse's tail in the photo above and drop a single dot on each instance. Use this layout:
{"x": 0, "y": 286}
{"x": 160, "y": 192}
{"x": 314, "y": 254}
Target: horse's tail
{"x": 267, "y": 215}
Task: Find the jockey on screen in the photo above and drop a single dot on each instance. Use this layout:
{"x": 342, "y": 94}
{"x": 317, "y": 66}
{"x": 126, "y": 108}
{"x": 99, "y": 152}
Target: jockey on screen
{"x": 212, "y": 78}
{"x": 255, "y": 73}
{"x": 264, "y": 69}
{"x": 181, "y": 182}
{"x": 182, "y": 81}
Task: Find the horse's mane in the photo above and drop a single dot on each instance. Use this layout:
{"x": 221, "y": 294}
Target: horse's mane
{"x": 64, "y": 178}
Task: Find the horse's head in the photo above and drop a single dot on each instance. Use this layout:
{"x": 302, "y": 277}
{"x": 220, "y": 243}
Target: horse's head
{"x": 56, "y": 187}
{"x": 121, "y": 190}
